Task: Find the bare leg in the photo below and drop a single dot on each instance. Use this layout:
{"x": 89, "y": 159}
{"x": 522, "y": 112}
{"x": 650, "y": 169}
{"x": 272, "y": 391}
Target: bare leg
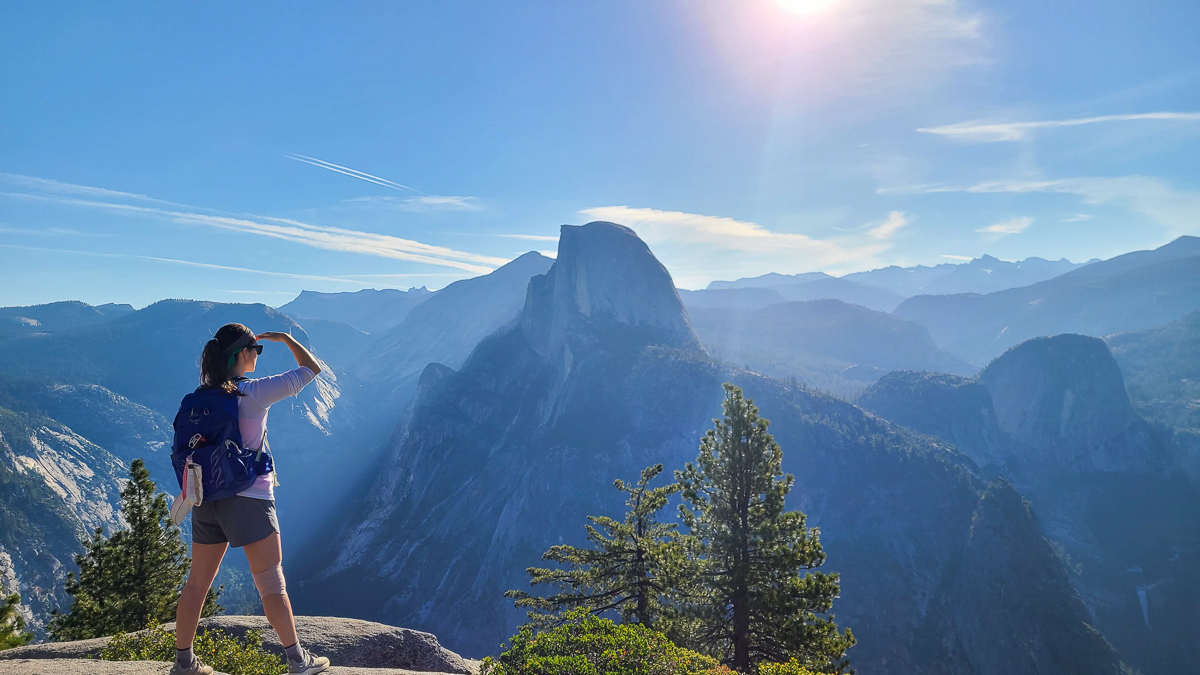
{"x": 206, "y": 560}
{"x": 263, "y": 555}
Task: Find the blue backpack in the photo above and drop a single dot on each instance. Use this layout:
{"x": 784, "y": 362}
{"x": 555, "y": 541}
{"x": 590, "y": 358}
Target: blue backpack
{"x": 206, "y": 429}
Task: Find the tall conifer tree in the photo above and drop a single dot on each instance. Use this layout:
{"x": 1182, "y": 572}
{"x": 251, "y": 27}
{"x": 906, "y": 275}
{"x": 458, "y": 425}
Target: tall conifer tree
{"x": 131, "y": 580}
{"x": 630, "y": 567}
{"x": 757, "y": 600}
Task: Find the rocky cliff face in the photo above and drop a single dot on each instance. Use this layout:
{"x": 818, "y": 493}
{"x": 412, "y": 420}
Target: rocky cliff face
{"x": 1065, "y": 396}
{"x": 604, "y": 277}
{"x": 498, "y": 461}
{"x": 349, "y": 644}
{"x": 55, "y": 488}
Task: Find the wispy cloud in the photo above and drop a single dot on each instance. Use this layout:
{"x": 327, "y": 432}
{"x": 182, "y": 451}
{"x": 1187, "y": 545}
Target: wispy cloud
{"x": 1007, "y": 227}
{"x": 59, "y": 187}
{"x": 188, "y": 263}
{"x": 46, "y": 231}
{"x": 530, "y": 237}
{"x": 316, "y": 236}
{"x": 353, "y": 173}
{"x": 704, "y": 247}
{"x": 1078, "y": 218}
{"x": 421, "y": 203}
{"x": 964, "y": 258}
{"x": 995, "y": 132}
{"x": 1176, "y": 210}
{"x": 889, "y": 227}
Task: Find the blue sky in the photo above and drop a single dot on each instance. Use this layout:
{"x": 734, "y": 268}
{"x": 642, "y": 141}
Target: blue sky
{"x": 243, "y": 153}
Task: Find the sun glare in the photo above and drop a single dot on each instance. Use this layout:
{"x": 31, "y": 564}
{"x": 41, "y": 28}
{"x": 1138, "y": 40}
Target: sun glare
{"x": 804, "y": 6}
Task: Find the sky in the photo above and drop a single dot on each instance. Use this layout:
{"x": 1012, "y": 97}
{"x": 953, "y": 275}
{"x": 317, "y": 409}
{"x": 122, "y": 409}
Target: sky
{"x": 245, "y": 152}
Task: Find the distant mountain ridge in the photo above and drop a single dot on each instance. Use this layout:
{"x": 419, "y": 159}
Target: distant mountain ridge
{"x": 985, "y": 274}
{"x": 368, "y": 310}
{"x": 56, "y": 315}
{"x": 1134, "y": 291}
{"x": 885, "y": 288}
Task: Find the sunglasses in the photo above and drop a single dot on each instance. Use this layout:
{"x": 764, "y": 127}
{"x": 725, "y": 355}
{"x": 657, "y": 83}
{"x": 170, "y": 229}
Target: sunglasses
{"x": 257, "y": 349}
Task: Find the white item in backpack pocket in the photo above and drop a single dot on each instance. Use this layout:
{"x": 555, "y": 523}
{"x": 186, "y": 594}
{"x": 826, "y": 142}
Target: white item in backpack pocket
{"x": 192, "y": 495}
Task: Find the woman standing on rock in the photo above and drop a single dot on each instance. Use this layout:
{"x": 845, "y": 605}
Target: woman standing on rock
{"x": 247, "y": 519}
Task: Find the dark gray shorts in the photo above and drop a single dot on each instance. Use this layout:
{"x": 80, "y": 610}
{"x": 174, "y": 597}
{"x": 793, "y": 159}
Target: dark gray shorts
{"x": 238, "y": 520}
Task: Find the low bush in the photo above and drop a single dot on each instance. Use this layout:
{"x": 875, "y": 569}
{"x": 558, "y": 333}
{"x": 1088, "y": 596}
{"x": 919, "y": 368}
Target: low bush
{"x": 792, "y": 667}
{"x": 588, "y": 645}
{"x": 224, "y": 652}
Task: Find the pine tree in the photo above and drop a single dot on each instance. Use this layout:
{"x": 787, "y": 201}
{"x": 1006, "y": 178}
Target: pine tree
{"x": 131, "y": 580}
{"x": 12, "y": 624}
{"x": 630, "y": 567}
{"x": 757, "y": 601}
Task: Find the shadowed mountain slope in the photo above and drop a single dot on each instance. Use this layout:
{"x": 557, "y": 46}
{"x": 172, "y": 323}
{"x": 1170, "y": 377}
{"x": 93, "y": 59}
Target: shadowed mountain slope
{"x": 601, "y": 376}
{"x": 444, "y": 329}
{"x": 741, "y": 298}
{"x": 815, "y": 286}
{"x": 1162, "y": 372}
{"x": 827, "y": 344}
{"x": 1052, "y": 415}
{"x": 1130, "y": 292}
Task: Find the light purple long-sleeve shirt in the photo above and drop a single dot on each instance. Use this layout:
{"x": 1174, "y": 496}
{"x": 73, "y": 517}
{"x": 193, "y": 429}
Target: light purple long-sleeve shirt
{"x": 260, "y": 395}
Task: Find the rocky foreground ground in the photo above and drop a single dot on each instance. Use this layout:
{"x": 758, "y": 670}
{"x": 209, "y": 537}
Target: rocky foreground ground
{"x": 354, "y": 647}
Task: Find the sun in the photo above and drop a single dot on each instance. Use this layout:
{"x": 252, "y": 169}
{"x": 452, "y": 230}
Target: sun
{"x": 804, "y": 6}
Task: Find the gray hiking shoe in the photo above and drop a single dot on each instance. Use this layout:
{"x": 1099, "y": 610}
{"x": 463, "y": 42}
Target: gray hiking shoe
{"x": 309, "y": 665}
{"x": 197, "y": 668}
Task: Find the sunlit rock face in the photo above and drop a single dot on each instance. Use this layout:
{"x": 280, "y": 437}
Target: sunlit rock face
{"x": 1064, "y": 396}
{"x": 57, "y": 487}
{"x": 605, "y": 274}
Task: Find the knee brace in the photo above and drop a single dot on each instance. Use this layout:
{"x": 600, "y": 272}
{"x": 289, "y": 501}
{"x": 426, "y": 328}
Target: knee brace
{"x": 270, "y": 581}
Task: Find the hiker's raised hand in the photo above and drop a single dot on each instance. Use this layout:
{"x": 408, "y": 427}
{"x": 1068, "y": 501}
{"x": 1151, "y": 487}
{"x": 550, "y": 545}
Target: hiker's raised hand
{"x": 273, "y": 336}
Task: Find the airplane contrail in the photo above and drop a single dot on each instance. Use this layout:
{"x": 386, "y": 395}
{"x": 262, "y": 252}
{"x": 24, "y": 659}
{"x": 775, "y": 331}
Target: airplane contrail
{"x": 353, "y": 173}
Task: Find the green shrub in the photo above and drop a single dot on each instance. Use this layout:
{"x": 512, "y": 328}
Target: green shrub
{"x": 222, "y": 651}
{"x": 792, "y": 667}
{"x": 12, "y": 624}
{"x": 588, "y": 645}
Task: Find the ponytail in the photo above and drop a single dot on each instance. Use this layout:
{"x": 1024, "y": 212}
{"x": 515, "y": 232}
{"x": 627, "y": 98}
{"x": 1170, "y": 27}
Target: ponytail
{"x": 215, "y": 364}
